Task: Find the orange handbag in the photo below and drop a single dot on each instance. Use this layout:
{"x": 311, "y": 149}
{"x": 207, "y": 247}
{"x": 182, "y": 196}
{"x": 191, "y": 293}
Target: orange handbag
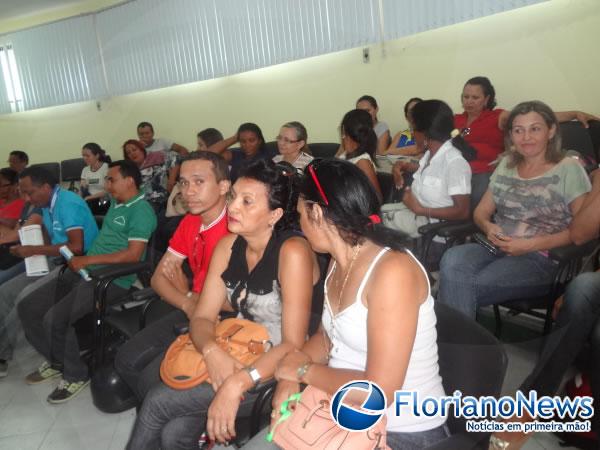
{"x": 311, "y": 427}
{"x": 183, "y": 366}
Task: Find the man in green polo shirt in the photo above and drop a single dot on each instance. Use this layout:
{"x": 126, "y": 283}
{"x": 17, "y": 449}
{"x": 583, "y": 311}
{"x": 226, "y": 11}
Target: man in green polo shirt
{"x": 48, "y": 325}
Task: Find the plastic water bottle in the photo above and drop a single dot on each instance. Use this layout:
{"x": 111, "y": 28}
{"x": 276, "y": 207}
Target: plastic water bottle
{"x": 68, "y": 254}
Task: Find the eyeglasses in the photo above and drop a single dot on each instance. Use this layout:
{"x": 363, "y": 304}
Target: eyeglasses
{"x": 313, "y": 174}
{"x": 286, "y": 140}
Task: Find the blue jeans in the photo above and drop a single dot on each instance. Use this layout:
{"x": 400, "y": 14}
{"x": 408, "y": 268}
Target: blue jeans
{"x": 11, "y": 272}
{"x": 576, "y": 324}
{"x": 405, "y": 441}
{"x": 470, "y": 277}
{"x": 175, "y": 419}
{"x": 11, "y": 294}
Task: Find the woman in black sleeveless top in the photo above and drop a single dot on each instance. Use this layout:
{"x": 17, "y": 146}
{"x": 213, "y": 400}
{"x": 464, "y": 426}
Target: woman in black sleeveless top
{"x": 266, "y": 272}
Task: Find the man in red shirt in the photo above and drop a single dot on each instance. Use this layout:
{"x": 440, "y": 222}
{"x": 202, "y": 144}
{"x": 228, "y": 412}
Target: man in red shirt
{"x": 204, "y": 183}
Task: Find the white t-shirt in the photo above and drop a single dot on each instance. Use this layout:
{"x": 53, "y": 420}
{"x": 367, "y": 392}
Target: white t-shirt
{"x": 356, "y": 159}
{"x": 380, "y": 128}
{"x": 160, "y": 144}
{"x": 94, "y": 180}
{"x": 438, "y": 179}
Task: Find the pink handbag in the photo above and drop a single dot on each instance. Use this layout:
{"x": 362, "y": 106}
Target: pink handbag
{"x": 309, "y": 426}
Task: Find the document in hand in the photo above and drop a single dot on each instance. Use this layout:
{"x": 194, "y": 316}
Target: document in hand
{"x": 37, "y": 265}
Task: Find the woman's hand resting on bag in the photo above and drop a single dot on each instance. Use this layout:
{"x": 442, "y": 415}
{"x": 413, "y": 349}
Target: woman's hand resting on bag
{"x": 220, "y": 365}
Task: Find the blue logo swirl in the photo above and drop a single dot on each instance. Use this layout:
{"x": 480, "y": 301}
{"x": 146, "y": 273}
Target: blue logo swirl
{"x": 363, "y": 418}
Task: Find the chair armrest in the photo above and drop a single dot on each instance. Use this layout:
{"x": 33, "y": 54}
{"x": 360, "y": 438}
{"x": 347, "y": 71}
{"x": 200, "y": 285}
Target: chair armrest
{"x": 112, "y": 271}
{"x": 459, "y": 229}
{"x": 432, "y": 227}
{"x": 572, "y": 251}
{"x": 145, "y": 294}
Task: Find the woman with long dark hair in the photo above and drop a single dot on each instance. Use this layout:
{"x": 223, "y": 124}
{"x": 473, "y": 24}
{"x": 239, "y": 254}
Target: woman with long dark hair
{"x": 265, "y": 271}
{"x": 359, "y": 144}
{"x": 378, "y": 310}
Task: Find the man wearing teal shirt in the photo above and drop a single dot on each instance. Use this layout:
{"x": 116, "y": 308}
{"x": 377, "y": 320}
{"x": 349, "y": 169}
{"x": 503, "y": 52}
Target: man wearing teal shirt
{"x": 48, "y": 325}
{"x": 67, "y": 221}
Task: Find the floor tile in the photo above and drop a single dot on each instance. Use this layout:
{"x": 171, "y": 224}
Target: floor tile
{"x": 31, "y": 441}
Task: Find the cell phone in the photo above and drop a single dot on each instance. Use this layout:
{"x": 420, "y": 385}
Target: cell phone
{"x": 485, "y": 243}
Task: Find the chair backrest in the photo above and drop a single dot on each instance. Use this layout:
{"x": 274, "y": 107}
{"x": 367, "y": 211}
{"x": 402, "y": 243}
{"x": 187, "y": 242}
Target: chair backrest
{"x": 323, "y": 149}
{"x": 594, "y": 131}
{"x": 52, "y": 167}
{"x": 70, "y": 169}
{"x": 386, "y": 183}
{"x": 471, "y": 359}
{"x": 576, "y": 137}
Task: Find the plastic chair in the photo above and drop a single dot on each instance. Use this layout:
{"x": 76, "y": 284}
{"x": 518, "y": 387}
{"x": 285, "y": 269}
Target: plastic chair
{"x": 472, "y": 361}
{"x": 70, "y": 170}
{"x": 323, "y": 149}
{"x": 52, "y": 167}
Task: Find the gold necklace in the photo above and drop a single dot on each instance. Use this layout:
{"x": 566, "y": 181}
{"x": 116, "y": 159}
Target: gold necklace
{"x": 341, "y": 291}
{"x": 329, "y": 348}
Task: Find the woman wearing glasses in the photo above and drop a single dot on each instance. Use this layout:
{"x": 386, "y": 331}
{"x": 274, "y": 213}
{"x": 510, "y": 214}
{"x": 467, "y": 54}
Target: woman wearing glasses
{"x": 378, "y": 310}
{"x": 265, "y": 272}
{"x": 482, "y": 125}
{"x": 292, "y": 145}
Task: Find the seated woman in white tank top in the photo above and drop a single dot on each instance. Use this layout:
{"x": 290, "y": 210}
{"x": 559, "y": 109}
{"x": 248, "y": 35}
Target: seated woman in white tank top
{"x": 378, "y": 320}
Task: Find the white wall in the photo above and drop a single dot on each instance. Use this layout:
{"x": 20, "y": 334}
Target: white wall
{"x": 547, "y": 51}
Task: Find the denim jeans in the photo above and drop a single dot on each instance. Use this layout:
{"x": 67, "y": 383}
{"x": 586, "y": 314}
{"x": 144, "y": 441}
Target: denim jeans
{"x": 48, "y": 320}
{"x": 11, "y": 272}
{"x": 138, "y": 360}
{"x": 576, "y": 324}
{"x": 470, "y": 276}
{"x": 175, "y": 419}
{"x": 396, "y": 441}
{"x": 11, "y": 293}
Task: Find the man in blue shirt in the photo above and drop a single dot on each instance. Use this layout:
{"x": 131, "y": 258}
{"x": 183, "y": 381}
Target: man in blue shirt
{"x": 67, "y": 221}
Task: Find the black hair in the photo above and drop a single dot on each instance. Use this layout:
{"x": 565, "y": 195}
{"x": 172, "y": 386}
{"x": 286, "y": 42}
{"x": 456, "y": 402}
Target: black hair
{"x": 281, "y": 180}
{"x": 368, "y": 98}
{"x": 9, "y": 175}
{"x": 351, "y": 202}
{"x": 128, "y": 168}
{"x": 144, "y": 125}
{"x": 358, "y": 125}
{"x": 220, "y": 166}
{"x": 97, "y": 151}
{"x": 210, "y": 136}
{"x": 23, "y": 157}
{"x": 39, "y": 176}
{"x": 407, "y": 104}
{"x": 487, "y": 88}
{"x": 435, "y": 120}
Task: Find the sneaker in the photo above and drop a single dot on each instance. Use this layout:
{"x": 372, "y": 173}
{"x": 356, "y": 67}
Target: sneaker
{"x": 3, "y": 368}
{"x": 65, "y": 391}
{"x": 42, "y": 374}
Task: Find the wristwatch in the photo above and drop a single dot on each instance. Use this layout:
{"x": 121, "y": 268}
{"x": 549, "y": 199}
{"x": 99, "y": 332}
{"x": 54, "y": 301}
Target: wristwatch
{"x": 254, "y": 375}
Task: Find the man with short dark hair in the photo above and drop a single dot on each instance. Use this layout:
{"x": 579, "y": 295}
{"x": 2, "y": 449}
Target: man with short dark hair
{"x": 68, "y": 221}
{"x": 48, "y": 324}
{"x": 204, "y": 185}
{"x": 18, "y": 160}
{"x": 145, "y": 132}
